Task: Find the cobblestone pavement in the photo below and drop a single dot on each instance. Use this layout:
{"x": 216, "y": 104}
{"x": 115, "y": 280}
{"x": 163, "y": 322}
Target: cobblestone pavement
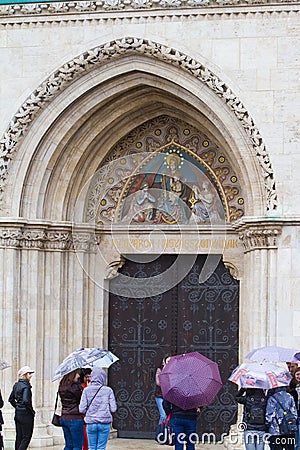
{"x": 136, "y": 444}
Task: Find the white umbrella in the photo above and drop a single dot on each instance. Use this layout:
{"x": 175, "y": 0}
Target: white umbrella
{"x": 274, "y": 354}
{"x": 83, "y": 358}
{"x": 3, "y": 364}
{"x": 262, "y": 375}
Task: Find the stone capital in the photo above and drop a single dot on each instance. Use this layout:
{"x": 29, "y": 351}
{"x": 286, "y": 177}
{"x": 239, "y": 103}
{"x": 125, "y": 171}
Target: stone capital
{"x": 48, "y": 237}
{"x": 258, "y": 235}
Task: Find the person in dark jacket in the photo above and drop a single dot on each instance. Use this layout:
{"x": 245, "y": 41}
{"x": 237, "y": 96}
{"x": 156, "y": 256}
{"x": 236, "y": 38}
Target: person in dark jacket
{"x": 255, "y": 403}
{"x": 295, "y": 393}
{"x": 21, "y": 399}
{"x": 184, "y": 424}
{"x": 70, "y": 392}
{"x": 1, "y": 422}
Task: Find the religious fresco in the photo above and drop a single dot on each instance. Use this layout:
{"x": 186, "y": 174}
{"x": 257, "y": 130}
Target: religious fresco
{"x": 172, "y": 187}
{"x": 165, "y": 172}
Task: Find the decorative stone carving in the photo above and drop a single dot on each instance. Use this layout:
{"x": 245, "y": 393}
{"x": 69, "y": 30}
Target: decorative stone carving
{"x": 85, "y": 6}
{"x": 256, "y": 236}
{"x": 57, "y": 240}
{"x": 85, "y": 241}
{"x": 40, "y": 98}
{"x": 10, "y": 238}
{"x": 113, "y": 267}
{"x": 233, "y": 270}
{"x": 98, "y": 6}
{"x": 49, "y": 240}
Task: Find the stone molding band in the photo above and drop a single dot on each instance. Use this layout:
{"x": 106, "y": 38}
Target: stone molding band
{"x": 142, "y": 6}
{"x": 253, "y": 235}
{"x": 87, "y": 61}
{"x": 48, "y": 240}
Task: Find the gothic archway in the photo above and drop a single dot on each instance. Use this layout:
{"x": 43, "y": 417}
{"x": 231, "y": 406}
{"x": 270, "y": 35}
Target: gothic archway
{"x": 96, "y": 58}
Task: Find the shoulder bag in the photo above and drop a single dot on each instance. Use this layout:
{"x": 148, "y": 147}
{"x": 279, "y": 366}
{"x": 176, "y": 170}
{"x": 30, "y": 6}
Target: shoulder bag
{"x": 92, "y": 400}
{"x": 288, "y": 425}
{"x": 56, "y": 417}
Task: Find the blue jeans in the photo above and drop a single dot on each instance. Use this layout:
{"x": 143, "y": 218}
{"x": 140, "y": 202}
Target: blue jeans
{"x": 97, "y": 435}
{"x": 73, "y": 433}
{"x": 254, "y": 440}
{"x": 162, "y": 413}
{"x": 184, "y": 430}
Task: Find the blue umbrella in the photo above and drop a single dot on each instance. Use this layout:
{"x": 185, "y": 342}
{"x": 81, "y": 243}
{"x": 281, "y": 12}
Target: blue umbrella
{"x": 274, "y": 354}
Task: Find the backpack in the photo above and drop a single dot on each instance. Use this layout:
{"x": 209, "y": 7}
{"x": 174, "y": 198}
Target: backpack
{"x": 256, "y": 410}
{"x": 288, "y": 424}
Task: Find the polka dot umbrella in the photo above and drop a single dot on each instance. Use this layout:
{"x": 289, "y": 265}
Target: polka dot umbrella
{"x": 190, "y": 380}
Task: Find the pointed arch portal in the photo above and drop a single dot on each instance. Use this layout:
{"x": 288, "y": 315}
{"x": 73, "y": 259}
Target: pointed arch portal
{"x": 69, "y": 156}
{"x": 97, "y": 59}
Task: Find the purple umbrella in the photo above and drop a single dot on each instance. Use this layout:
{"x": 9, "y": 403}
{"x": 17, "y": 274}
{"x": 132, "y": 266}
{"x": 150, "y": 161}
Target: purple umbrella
{"x": 273, "y": 353}
{"x": 190, "y": 380}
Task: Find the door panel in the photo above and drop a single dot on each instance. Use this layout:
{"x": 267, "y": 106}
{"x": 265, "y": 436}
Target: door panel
{"x": 142, "y": 330}
{"x": 209, "y": 325}
{"x": 189, "y": 316}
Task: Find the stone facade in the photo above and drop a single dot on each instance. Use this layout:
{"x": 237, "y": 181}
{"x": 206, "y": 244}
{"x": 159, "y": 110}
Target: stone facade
{"x": 76, "y": 78}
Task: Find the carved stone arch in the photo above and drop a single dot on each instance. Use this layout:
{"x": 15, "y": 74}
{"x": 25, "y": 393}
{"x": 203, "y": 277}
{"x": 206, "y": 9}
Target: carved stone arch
{"x": 65, "y": 78}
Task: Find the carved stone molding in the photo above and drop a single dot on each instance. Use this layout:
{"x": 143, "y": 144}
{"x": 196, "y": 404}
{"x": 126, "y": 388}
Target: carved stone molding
{"x": 111, "y": 270}
{"x": 66, "y": 74}
{"x": 256, "y": 236}
{"x": 66, "y": 8}
{"x": 42, "y": 239}
{"x": 233, "y": 270}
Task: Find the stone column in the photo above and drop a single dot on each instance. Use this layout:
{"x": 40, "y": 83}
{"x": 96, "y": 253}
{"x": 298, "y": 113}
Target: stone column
{"x": 258, "y": 297}
{"x": 257, "y": 311}
{"x": 48, "y": 307}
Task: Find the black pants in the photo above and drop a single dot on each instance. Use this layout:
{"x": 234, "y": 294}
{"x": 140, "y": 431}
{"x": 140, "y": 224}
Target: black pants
{"x": 1, "y": 439}
{"x": 282, "y": 442}
{"x": 24, "y": 429}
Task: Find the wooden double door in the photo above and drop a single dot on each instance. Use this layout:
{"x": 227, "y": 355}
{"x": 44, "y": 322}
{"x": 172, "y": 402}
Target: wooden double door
{"x": 162, "y": 305}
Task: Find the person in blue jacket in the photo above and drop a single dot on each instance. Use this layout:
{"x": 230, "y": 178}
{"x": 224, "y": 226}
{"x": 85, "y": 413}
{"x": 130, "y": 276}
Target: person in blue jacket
{"x": 279, "y": 400}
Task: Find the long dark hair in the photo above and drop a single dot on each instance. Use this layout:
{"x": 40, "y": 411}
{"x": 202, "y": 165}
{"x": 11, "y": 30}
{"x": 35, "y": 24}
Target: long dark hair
{"x": 294, "y": 382}
{"x": 69, "y": 378}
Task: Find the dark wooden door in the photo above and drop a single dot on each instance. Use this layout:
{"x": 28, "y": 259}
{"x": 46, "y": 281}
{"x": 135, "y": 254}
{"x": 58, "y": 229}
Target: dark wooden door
{"x": 182, "y": 316}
